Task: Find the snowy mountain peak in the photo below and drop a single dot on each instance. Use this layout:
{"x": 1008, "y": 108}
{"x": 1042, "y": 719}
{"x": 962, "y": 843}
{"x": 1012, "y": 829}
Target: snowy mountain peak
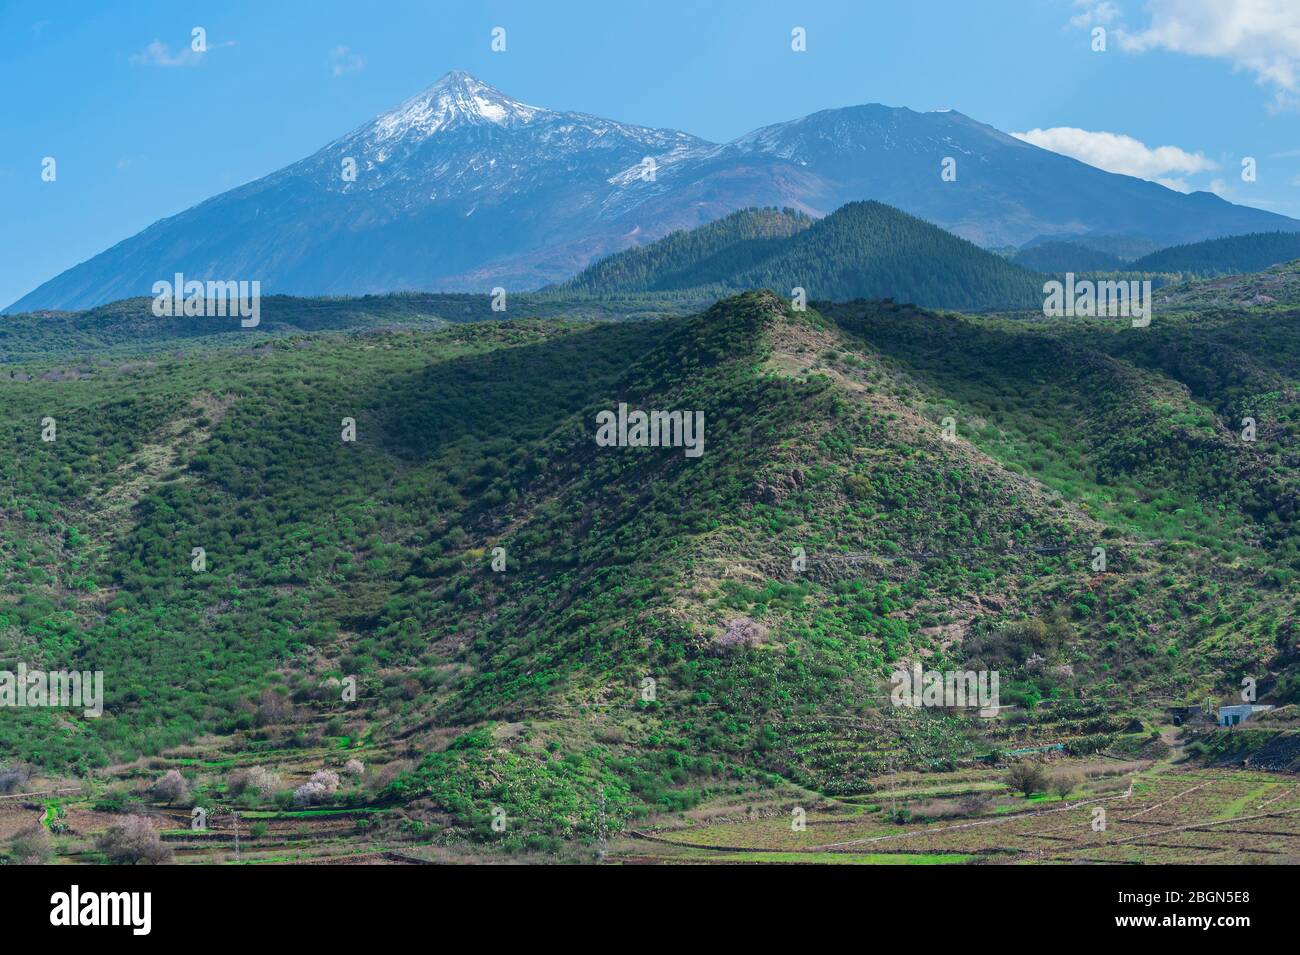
{"x": 464, "y": 188}
{"x": 456, "y": 99}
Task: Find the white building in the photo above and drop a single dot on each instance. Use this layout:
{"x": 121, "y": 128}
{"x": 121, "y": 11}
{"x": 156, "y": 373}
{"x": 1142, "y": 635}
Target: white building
{"x": 1232, "y": 715}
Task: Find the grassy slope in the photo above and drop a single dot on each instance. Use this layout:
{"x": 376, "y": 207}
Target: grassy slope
{"x": 80, "y": 341}
{"x": 372, "y": 559}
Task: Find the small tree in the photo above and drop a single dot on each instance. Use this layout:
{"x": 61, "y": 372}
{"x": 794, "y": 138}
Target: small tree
{"x": 308, "y": 794}
{"x": 327, "y": 779}
{"x": 1027, "y": 777}
{"x": 31, "y": 845}
{"x": 256, "y": 780}
{"x": 12, "y": 779}
{"x": 133, "y": 841}
{"x": 324, "y": 783}
{"x": 1064, "y": 783}
{"x": 171, "y": 788}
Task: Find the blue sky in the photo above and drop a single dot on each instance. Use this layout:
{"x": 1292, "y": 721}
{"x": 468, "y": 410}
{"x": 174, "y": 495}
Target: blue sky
{"x": 141, "y": 129}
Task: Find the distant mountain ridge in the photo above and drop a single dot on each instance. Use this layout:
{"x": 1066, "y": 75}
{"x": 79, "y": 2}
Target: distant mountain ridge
{"x": 463, "y": 188}
{"x": 862, "y": 250}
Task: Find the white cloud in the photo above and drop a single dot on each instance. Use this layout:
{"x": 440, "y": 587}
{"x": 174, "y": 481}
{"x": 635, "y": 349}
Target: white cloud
{"x": 1261, "y": 36}
{"x": 1094, "y": 13}
{"x": 343, "y": 61}
{"x": 158, "y": 53}
{"x": 1116, "y": 152}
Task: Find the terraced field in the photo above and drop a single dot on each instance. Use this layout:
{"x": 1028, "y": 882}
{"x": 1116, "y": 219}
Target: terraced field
{"x": 1152, "y": 815}
{"x": 501, "y": 713}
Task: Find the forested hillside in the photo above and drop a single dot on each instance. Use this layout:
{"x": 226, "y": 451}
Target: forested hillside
{"x": 1059, "y": 257}
{"x": 129, "y": 327}
{"x": 862, "y": 250}
{"x": 676, "y": 261}
{"x": 501, "y": 587}
{"x": 1234, "y": 254}
{"x": 1276, "y": 288}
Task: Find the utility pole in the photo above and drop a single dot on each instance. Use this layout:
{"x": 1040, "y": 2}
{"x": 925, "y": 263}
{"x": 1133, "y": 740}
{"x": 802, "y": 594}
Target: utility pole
{"x": 234, "y": 815}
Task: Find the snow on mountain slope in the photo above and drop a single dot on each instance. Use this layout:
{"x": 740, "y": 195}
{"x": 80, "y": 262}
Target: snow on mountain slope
{"x": 464, "y": 188}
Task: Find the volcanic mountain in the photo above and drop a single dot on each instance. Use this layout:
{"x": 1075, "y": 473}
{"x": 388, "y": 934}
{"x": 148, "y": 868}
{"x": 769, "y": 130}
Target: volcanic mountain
{"x": 462, "y": 188}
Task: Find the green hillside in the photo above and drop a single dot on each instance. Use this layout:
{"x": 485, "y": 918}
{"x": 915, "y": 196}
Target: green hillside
{"x": 129, "y": 327}
{"x": 862, "y": 250}
{"x": 524, "y": 689}
{"x": 1276, "y": 288}
{"x": 1057, "y": 257}
{"x": 1234, "y": 254}
{"x": 677, "y": 261}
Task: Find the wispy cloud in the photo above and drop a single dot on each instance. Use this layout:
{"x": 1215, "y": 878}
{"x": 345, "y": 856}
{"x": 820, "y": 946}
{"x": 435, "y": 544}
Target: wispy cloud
{"x": 1115, "y": 152}
{"x": 158, "y": 53}
{"x": 343, "y": 60}
{"x": 1260, "y": 36}
{"x": 1094, "y": 14}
